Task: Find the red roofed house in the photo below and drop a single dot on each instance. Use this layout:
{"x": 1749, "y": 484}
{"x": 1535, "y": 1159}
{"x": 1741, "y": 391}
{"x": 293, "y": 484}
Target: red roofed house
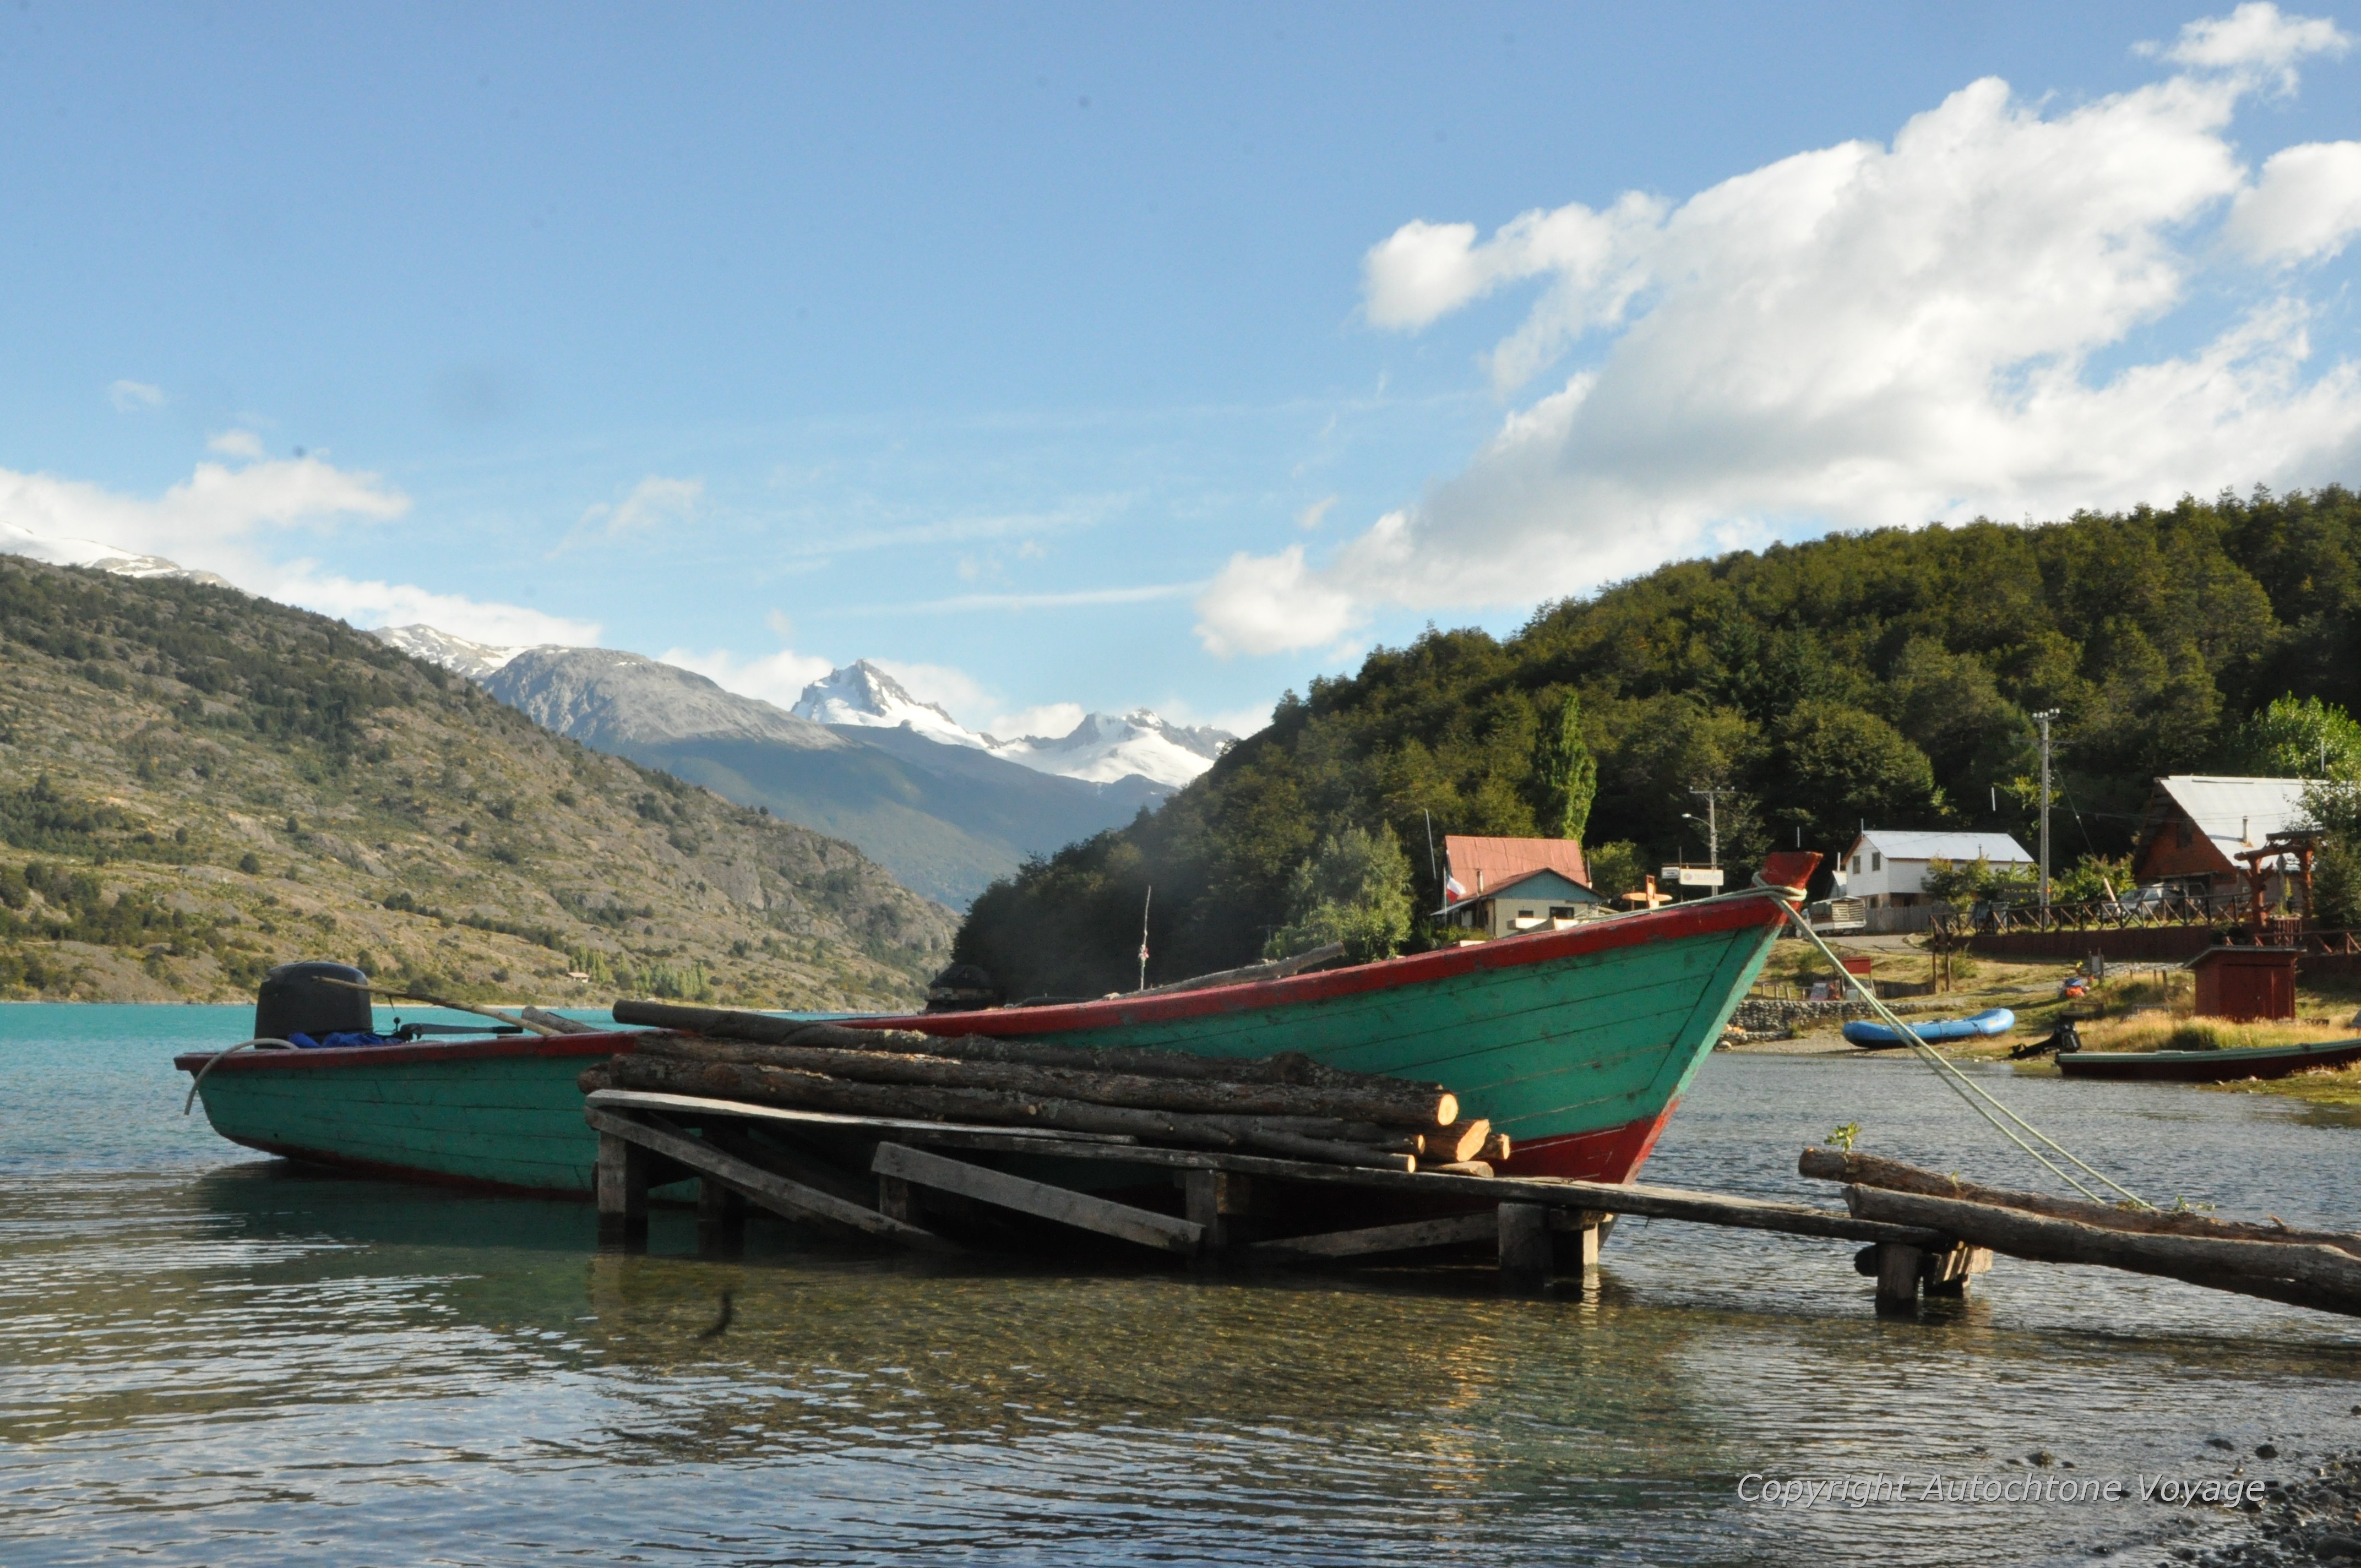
{"x": 1496, "y": 887}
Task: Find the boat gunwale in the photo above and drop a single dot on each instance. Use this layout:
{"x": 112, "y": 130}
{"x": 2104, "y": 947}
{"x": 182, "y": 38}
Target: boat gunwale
{"x": 2226, "y": 1054}
{"x": 605, "y": 1043}
{"x": 1702, "y": 917}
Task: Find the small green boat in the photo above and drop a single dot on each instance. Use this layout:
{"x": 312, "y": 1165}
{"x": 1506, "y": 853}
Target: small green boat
{"x": 2209, "y": 1067}
{"x": 1578, "y": 1043}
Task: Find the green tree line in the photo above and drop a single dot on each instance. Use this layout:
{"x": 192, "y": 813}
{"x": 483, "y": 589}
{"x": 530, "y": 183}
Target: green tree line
{"x": 1885, "y": 677}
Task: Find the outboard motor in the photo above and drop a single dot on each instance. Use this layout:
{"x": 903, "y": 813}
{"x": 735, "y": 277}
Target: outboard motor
{"x": 295, "y": 1000}
{"x": 962, "y": 988}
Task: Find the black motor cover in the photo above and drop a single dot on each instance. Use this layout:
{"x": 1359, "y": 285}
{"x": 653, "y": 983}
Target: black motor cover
{"x": 294, "y": 1001}
{"x": 962, "y": 988}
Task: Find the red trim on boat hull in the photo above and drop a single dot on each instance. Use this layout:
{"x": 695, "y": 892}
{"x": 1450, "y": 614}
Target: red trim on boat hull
{"x": 1611, "y": 1153}
{"x": 1704, "y": 918}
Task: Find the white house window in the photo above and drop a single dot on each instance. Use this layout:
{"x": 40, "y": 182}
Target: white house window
{"x": 1856, "y": 865}
{"x": 1876, "y": 862}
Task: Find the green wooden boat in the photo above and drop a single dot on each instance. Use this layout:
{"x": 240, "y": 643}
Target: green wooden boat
{"x": 1577, "y": 1043}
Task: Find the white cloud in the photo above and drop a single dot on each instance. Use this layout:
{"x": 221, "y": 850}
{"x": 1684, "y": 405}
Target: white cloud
{"x": 654, "y": 502}
{"x": 371, "y": 604}
{"x": 1055, "y": 720}
{"x": 779, "y": 678}
{"x": 236, "y": 444}
{"x": 2306, "y": 205}
{"x": 1312, "y": 516}
{"x": 1264, "y": 604}
{"x": 203, "y": 520}
{"x": 2254, "y": 38}
{"x": 1426, "y": 270}
{"x": 781, "y": 627}
{"x": 214, "y": 520}
{"x": 130, "y": 397}
{"x": 948, "y": 686}
{"x": 1857, "y": 336}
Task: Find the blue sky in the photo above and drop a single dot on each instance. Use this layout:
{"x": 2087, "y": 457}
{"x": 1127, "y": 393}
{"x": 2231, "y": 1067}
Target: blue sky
{"x": 1107, "y": 356}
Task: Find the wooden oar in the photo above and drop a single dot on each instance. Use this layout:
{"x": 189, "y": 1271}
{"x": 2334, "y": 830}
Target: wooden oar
{"x": 519, "y": 1021}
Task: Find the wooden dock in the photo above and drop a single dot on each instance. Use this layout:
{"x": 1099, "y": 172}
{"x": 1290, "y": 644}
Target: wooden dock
{"x": 925, "y": 1184}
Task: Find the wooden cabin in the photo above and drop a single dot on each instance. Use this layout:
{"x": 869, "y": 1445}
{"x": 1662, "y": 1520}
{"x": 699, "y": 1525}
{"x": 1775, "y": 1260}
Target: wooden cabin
{"x": 1498, "y": 887}
{"x": 2198, "y": 828}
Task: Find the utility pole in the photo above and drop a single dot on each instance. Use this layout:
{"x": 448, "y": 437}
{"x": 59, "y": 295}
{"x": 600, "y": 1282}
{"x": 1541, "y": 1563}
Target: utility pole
{"x": 1712, "y": 824}
{"x": 2043, "y": 718}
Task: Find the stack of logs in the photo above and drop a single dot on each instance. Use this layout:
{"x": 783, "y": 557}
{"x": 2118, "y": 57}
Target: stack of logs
{"x": 1288, "y": 1105}
{"x": 2279, "y": 1262}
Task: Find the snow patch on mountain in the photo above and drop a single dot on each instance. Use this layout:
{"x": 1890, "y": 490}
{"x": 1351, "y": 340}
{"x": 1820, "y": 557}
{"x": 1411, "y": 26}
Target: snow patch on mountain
{"x": 1105, "y": 747}
{"x": 1102, "y": 749}
{"x": 476, "y": 660}
{"x": 122, "y": 563}
{"x": 862, "y": 693}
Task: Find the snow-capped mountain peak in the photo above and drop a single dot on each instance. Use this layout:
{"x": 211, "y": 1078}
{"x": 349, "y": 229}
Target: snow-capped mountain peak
{"x": 16, "y": 540}
{"x": 1104, "y": 747}
{"x": 862, "y": 693}
{"x": 476, "y": 660}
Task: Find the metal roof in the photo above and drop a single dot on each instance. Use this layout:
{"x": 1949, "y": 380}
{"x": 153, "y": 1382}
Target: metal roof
{"x": 2236, "y": 813}
{"x": 1500, "y": 859}
{"x": 1997, "y": 848}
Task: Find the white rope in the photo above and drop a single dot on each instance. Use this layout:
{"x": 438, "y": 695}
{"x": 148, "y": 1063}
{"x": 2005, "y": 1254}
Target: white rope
{"x": 267, "y": 1043}
{"x": 1959, "y": 1082}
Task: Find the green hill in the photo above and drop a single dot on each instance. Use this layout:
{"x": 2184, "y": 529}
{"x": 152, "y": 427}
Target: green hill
{"x": 195, "y": 785}
{"x": 1886, "y": 676}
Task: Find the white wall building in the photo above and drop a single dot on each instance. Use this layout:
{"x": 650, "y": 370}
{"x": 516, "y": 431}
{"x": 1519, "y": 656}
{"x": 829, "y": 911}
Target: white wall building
{"x": 1887, "y": 870}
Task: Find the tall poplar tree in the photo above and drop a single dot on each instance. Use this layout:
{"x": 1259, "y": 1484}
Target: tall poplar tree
{"x": 1566, "y": 773}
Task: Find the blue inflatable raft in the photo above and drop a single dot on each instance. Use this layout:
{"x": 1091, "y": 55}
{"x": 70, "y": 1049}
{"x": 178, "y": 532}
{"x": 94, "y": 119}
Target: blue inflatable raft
{"x": 1881, "y": 1037}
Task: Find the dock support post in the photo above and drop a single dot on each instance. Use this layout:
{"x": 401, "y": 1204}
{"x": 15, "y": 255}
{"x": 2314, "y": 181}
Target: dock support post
{"x": 1947, "y": 1272}
{"x": 623, "y": 1182}
{"x": 893, "y": 1200}
{"x": 1575, "y": 1249}
{"x": 1897, "y": 1277}
{"x": 720, "y": 1220}
{"x": 1205, "y": 1194}
{"x": 1526, "y": 1246}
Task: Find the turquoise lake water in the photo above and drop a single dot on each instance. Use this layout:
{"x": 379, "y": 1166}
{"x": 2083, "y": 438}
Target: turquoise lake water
{"x": 208, "y": 1357}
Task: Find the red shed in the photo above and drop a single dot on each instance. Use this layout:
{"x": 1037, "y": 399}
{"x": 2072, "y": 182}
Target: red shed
{"x": 2242, "y": 983}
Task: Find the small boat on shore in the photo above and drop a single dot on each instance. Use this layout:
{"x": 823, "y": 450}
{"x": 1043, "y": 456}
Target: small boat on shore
{"x": 2209, "y": 1067}
{"x": 1873, "y": 1036}
{"x": 1577, "y": 1043}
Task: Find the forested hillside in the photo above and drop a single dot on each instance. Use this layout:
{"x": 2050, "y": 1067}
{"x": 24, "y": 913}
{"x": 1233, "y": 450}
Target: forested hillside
{"x": 1887, "y": 676}
{"x": 195, "y": 785}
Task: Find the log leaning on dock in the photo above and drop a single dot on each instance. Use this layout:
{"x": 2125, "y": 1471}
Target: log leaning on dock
{"x": 761, "y": 1028}
{"x": 1402, "y": 1106}
{"x": 1893, "y": 1175}
{"x": 797, "y": 1087}
{"x": 2302, "y": 1273}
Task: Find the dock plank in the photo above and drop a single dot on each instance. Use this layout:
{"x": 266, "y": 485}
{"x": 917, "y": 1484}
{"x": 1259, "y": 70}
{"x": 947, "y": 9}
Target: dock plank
{"x": 1063, "y": 1204}
{"x": 776, "y": 1193}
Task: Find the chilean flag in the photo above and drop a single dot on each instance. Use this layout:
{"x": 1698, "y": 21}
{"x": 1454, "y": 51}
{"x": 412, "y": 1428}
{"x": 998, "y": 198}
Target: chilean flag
{"x": 1452, "y": 891}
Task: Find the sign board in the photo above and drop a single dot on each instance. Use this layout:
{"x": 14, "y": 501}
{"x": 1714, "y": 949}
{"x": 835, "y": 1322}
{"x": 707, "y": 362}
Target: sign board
{"x": 1690, "y": 876}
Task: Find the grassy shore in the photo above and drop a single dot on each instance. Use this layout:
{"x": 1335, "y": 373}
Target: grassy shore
{"x": 2139, "y": 1012}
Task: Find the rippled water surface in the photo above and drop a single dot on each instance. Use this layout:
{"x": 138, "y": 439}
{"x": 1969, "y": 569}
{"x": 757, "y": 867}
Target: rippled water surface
{"x": 211, "y": 1357}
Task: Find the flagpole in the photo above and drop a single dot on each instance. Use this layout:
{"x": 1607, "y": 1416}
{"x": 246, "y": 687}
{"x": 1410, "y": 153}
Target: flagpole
{"x": 1143, "y": 934}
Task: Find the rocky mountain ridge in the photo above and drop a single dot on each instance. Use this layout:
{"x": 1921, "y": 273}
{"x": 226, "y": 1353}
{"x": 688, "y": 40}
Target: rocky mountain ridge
{"x": 195, "y": 784}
